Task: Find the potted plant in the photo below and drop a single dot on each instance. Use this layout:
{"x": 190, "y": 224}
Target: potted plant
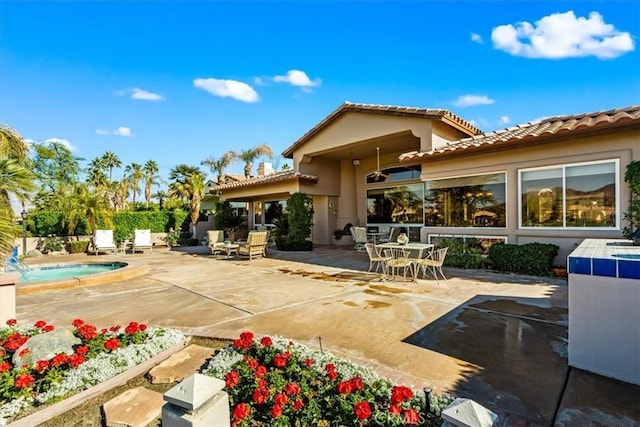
{"x": 632, "y": 215}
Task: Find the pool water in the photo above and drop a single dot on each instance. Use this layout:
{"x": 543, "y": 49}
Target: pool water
{"x": 43, "y": 273}
{"x": 627, "y": 256}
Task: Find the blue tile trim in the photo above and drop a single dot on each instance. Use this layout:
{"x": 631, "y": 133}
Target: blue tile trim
{"x": 628, "y": 269}
{"x": 579, "y": 265}
{"x": 604, "y": 267}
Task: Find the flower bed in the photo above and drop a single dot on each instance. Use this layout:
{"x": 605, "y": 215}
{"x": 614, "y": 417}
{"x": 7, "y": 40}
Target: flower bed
{"x": 100, "y": 355}
{"x": 276, "y": 382}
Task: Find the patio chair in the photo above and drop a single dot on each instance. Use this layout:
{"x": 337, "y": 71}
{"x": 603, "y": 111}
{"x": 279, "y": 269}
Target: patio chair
{"x": 141, "y": 240}
{"x": 103, "y": 241}
{"x": 215, "y": 239}
{"x": 399, "y": 259}
{"x": 433, "y": 262}
{"x": 377, "y": 259}
{"x": 255, "y": 245}
{"x": 359, "y": 237}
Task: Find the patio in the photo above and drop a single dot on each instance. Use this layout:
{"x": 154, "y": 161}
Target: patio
{"x": 499, "y": 339}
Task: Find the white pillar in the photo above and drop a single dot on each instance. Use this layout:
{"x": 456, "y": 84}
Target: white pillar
{"x": 8, "y": 296}
{"x": 197, "y": 401}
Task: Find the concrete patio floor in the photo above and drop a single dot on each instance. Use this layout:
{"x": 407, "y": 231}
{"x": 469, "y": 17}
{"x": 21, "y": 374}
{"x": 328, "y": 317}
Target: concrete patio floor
{"x": 499, "y": 339}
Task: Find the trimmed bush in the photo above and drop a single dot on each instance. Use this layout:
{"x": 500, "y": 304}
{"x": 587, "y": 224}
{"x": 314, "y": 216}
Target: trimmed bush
{"x": 534, "y": 259}
{"x": 77, "y": 246}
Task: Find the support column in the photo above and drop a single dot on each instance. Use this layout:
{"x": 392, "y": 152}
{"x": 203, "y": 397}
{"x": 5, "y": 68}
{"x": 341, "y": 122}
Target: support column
{"x": 8, "y": 297}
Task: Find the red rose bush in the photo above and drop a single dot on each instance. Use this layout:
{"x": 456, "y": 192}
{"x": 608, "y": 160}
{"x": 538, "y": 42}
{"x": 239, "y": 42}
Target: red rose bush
{"x": 101, "y": 355}
{"x": 274, "y": 381}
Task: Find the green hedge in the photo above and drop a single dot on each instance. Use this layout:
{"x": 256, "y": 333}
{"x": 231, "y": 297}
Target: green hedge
{"x": 464, "y": 260}
{"x": 532, "y": 258}
{"x": 284, "y": 244}
{"x": 77, "y": 246}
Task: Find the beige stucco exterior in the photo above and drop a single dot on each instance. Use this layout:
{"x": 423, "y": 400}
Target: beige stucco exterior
{"x": 341, "y": 152}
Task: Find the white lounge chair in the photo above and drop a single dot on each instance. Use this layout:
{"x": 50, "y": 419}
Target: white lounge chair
{"x": 142, "y": 240}
{"x": 103, "y": 241}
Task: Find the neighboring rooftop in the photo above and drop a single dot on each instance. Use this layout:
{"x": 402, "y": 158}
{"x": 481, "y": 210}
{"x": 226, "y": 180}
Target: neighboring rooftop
{"x": 536, "y": 131}
{"x": 349, "y": 107}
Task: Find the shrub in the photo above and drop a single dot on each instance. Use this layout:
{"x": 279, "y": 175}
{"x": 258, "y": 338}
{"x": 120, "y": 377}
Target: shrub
{"x": 294, "y": 227}
{"x": 462, "y": 253}
{"x": 77, "y": 246}
{"x": 52, "y": 244}
{"x": 532, "y": 258}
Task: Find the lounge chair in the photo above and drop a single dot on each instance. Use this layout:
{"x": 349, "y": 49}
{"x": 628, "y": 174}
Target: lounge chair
{"x": 103, "y": 241}
{"x": 255, "y": 245}
{"x": 142, "y": 240}
{"x": 359, "y": 237}
{"x": 215, "y": 239}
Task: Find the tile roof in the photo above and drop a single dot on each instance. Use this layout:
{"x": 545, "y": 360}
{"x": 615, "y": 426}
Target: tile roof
{"x": 430, "y": 113}
{"x": 288, "y": 175}
{"x": 534, "y": 131}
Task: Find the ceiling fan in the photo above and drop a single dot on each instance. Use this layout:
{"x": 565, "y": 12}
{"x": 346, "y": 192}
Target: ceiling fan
{"x": 378, "y": 175}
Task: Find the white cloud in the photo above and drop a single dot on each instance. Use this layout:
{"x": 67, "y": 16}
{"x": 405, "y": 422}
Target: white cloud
{"x": 472, "y": 100}
{"x": 64, "y": 142}
{"x": 479, "y": 123}
{"x": 297, "y": 78}
{"x": 259, "y": 81}
{"x": 121, "y": 131}
{"x": 228, "y": 88}
{"x": 563, "y": 35}
{"x": 475, "y": 37}
{"x": 140, "y": 94}
{"x": 504, "y": 120}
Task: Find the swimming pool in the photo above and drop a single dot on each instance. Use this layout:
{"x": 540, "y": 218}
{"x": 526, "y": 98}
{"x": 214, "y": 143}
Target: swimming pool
{"x": 65, "y": 271}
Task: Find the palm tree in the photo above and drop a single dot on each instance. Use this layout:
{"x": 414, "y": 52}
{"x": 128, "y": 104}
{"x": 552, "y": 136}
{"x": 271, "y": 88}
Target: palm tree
{"x": 151, "y": 178}
{"x": 218, "y": 166}
{"x": 249, "y": 156}
{"x": 161, "y": 196}
{"x": 111, "y": 160}
{"x": 16, "y": 180}
{"x": 134, "y": 174}
{"x": 120, "y": 194}
{"x": 95, "y": 173}
{"x": 89, "y": 204}
{"x": 188, "y": 182}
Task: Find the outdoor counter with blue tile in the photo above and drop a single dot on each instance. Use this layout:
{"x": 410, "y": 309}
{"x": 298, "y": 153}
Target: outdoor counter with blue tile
{"x": 604, "y": 257}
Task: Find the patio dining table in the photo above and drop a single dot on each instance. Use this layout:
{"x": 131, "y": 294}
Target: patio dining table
{"x": 416, "y": 250}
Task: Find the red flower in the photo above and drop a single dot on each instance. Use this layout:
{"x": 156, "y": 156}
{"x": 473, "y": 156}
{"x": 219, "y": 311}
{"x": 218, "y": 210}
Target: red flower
{"x": 12, "y": 322}
{"x": 395, "y": 409}
{"x": 15, "y": 341}
{"x": 344, "y": 387}
{"x": 77, "y": 322}
{"x": 332, "y": 375}
{"x": 410, "y": 416}
{"x": 47, "y": 328}
{"x": 280, "y": 399}
{"x": 362, "y": 410}
{"x": 356, "y": 383}
{"x": 59, "y": 359}
{"x": 309, "y": 362}
{"x": 292, "y": 389}
{"x": 400, "y": 393}
{"x": 42, "y": 365}
{"x": 24, "y": 381}
{"x": 231, "y": 379}
{"x": 251, "y": 362}
{"x": 76, "y": 360}
{"x": 241, "y": 411}
{"x": 103, "y": 331}
{"x": 280, "y": 361}
{"x": 131, "y": 328}
{"x": 261, "y": 371}
{"x": 142, "y": 327}
{"x": 298, "y": 404}
{"x": 4, "y": 366}
{"x": 24, "y": 352}
{"x": 246, "y": 337}
{"x": 114, "y": 328}
{"x": 260, "y": 395}
{"x": 39, "y": 324}
{"x": 88, "y": 332}
{"x": 330, "y": 367}
{"x": 1, "y": 350}
{"x": 276, "y": 411}
{"x": 112, "y": 344}
{"x": 82, "y": 350}
{"x": 266, "y": 341}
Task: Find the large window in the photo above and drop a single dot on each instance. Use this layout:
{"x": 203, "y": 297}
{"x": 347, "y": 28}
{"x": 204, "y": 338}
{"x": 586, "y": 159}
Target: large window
{"x": 401, "y": 204}
{"x": 577, "y": 195}
{"x": 469, "y": 201}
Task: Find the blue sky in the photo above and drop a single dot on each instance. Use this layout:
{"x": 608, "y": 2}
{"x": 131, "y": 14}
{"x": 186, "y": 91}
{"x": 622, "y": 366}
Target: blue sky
{"x": 177, "y": 82}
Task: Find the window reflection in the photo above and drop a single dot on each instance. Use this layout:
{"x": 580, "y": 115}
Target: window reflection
{"x": 395, "y": 205}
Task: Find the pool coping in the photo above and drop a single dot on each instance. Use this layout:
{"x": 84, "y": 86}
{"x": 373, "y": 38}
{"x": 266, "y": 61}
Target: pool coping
{"x": 130, "y": 270}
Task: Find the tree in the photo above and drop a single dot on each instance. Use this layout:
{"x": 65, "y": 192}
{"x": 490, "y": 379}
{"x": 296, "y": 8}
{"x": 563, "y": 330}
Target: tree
{"x": 188, "y": 183}
{"x": 111, "y": 160}
{"x": 120, "y": 194}
{"x": 134, "y": 173}
{"x": 55, "y": 167}
{"x": 12, "y": 146}
{"x": 89, "y": 204}
{"x": 95, "y": 173}
{"x": 151, "y": 178}
{"x": 218, "y": 166}
{"x": 632, "y": 215}
{"x": 160, "y": 196}
{"x": 249, "y": 156}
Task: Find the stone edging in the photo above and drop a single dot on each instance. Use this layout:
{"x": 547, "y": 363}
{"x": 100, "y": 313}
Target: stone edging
{"x": 77, "y": 399}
